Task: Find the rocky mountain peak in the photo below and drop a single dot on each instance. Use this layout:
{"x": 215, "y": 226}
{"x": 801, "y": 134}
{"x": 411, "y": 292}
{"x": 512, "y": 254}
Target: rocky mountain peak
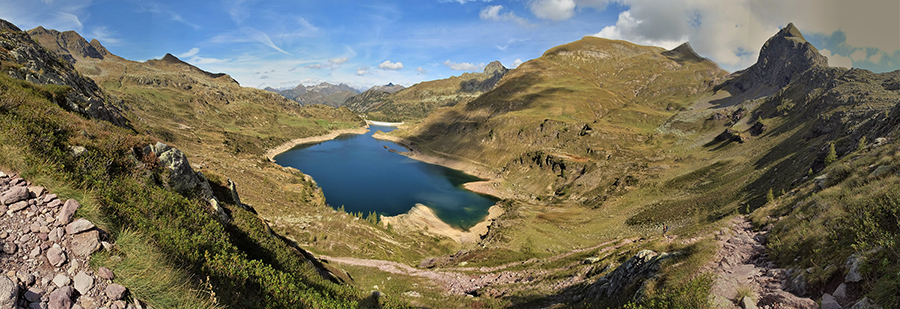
{"x": 68, "y": 44}
{"x": 783, "y": 57}
{"x": 683, "y": 53}
{"x": 494, "y": 68}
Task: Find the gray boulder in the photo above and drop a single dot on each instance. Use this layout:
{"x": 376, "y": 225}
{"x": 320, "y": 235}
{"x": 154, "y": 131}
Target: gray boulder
{"x": 78, "y": 226}
{"x": 9, "y": 293}
{"x": 829, "y": 302}
{"x": 83, "y": 283}
{"x": 866, "y": 303}
{"x": 182, "y": 177}
{"x": 86, "y": 243}
{"x": 645, "y": 264}
{"x": 115, "y": 291}
{"x": 852, "y": 266}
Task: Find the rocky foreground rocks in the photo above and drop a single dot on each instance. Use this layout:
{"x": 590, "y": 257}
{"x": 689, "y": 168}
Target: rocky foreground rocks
{"x": 45, "y": 253}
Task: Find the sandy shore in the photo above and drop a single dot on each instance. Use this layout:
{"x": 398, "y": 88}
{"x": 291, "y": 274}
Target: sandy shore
{"x": 422, "y": 218}
{"x": 312, "y": 139}
{"x": 384, "y": 123}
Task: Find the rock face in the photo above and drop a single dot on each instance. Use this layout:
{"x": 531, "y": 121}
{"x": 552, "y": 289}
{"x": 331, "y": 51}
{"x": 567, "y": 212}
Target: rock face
{"x": 645, "y": 264}
{"x": 782, "y": 58}
{"x": 35, "y": 64}
{"x": 44, "y": 248}
{"x": 183, "y": 178}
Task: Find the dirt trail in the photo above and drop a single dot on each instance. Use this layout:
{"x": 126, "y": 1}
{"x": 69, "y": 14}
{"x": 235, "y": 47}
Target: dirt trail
{"x": 741, "y": 262}
{"x": 466, "y": 280}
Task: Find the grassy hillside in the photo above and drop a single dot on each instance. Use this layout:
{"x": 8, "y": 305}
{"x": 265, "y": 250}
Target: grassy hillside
{"x": 242, "y": 264}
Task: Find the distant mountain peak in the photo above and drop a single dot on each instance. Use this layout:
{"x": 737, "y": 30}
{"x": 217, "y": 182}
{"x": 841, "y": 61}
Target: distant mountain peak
{"x": 683, "y": 53}
{"x": 494, "y": 68}
{"x": 783, "y": 57}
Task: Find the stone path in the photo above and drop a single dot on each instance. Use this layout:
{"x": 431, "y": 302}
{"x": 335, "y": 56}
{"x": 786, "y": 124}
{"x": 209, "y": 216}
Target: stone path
{"x": 45, "y": 252}
{"x": 742, "y": 263}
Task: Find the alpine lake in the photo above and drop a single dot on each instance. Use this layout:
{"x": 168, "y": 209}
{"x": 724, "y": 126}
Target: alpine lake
{"x": 361, "y": 174}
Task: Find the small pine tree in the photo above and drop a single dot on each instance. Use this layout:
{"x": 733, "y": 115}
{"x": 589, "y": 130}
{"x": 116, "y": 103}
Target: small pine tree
{"x": 832, "y": 155}
{"x": 862, "y": 143}
{"x": 770, "y": 197}
{"x": 810, "y": 172}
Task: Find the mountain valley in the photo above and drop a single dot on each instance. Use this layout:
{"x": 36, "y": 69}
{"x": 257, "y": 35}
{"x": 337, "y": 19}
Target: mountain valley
{"x": 629, "y": 176}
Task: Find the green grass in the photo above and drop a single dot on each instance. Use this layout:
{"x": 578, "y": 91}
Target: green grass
{"x": 243, "y": 264}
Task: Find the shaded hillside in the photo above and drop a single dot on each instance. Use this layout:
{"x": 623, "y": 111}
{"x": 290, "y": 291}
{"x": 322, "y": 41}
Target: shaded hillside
{"x": 24, "y": 59}
{"x": 324, "y": 93}
{"x": 581, "y": 118}
{"x": 421, "y": 99}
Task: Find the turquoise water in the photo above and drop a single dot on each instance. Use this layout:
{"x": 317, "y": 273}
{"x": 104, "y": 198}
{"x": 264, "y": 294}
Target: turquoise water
{"x": 356, "y": 171}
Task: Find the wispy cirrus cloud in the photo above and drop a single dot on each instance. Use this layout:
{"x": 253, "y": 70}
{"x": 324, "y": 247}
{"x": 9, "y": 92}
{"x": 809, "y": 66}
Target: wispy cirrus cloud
{"x": 105, "y": 36}
{"x": 247, "y": 35}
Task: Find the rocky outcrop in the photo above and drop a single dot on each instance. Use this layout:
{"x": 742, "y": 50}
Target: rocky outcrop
{"x": 33, "y": 63}
{"x": 643, "y": 265}
{"x": 782, "y": 58}
{"x": 183, "y": 178}
{"x": 45, "y": 258}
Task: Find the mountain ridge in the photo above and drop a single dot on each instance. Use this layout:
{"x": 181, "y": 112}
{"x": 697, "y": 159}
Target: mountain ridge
{"x": 322, "y": 93}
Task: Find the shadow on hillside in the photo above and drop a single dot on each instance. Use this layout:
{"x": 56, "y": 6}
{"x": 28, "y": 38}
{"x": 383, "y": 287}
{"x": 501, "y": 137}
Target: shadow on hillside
{"x": 468, "y": 126}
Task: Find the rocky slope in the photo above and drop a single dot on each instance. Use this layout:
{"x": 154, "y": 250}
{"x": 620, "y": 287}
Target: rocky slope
{"x": 417, "y": 101}
{"x": 324, "y": 93}
{"x": 24, "y": 59}
{"x": 46, "y": 252}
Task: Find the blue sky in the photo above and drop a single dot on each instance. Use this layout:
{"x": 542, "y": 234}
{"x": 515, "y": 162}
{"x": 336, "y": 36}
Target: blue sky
{"x": 365, "y": 43}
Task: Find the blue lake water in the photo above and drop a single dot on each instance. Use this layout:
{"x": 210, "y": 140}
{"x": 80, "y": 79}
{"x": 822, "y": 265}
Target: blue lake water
{"x": 356, "y": 171}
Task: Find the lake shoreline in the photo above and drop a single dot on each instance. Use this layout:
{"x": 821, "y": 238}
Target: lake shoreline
{"x": 423, "y": 218}
{"x": 271, "y": 153}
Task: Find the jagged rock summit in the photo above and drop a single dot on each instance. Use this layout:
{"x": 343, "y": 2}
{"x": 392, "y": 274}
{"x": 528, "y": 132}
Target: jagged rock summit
{"x": 25, "y": 59}
{"x": 69, "y": 45}
{"x": 783, "y": 57}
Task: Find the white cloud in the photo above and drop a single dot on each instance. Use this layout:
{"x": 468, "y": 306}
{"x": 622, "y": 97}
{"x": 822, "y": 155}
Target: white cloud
{"x": 517, "y": 63}
{"x": 876, "y": 58}
{"x": 858, "y": 55}
{"x": 837, "y": 60}
{"x": 463, "y": 1}
{"x": 492, "y": 13}
{"x": 338, "y": 61}
{"x": 178, "y": 18}
{"x": 553, "y": 9}
{"x": 189, "y": 53}
{"x": 315, "y": 66}
{"x": 362, "y": 71}
{"x": 105, "y": 36}
{"x": 247, "y": 34}
{"x": 388, "y": 65}
{"x": 421, "y": 70}
{"x": 202, "y": 60}
{"x": 464, "y": 66}
{"x": 626, "y": 29}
